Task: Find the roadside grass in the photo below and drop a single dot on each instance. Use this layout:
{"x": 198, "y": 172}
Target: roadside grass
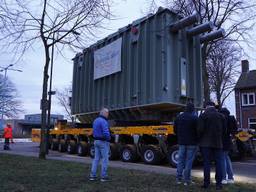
{"x": 27, "y": 174}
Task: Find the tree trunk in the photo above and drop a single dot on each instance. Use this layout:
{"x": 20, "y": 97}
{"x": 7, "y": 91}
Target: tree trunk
{"x": 205, "y": 75}
{"x": 44, "y": 106}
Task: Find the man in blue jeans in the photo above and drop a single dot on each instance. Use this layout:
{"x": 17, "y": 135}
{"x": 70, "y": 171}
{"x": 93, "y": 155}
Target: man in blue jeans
{"x": 227, "y": 170}
{"x": 185, "y": 127}
{"x": 102, "y": 137}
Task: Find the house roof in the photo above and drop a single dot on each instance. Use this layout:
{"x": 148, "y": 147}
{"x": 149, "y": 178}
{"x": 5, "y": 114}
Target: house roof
{"x": 246, "y": 80}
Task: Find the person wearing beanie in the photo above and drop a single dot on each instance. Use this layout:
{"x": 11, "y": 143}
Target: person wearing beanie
{"x": 185, "y": 127}
{"x": 211, "y": 130}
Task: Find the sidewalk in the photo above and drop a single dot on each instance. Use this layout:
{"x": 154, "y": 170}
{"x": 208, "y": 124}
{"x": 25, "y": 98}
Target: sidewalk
{"x": 31, "y": 149}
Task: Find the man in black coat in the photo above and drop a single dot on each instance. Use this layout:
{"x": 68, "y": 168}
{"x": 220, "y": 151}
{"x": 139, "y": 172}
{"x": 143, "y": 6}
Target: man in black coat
{"x": 227, "y": 170}
{"x": 211, "y": 130}
{"x": 185, "y": 127}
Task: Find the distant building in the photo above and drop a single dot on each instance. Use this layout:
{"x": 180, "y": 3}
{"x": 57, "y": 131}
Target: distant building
{"x": 23, "y": 127}
{"x": 245, "y": 92}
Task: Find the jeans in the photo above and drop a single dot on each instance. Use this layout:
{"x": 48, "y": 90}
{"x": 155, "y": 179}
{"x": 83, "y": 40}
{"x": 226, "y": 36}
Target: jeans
{"x": 6, "y": 144}
{"x": 101, "y": 152}
{"x": 227, "y": 166}
{"x": 185, "y": 161}
{"x": 208, "y": 154}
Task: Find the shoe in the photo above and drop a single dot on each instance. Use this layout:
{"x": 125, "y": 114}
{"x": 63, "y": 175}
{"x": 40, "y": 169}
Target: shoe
{"x": 178, "y": 181}
{"x": 224, "y": 182}
{"x": 218, "y": 187}
{"x": 104, "y": 179}
{"x": 92, "y": 178}
{"x": 204, "y": 186}
{"x": 230, "y": 181}
{"x": 189, "y": 183}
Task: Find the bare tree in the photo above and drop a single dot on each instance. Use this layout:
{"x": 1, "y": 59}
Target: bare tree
{"x": 10, "y": 105}
{"x": 222, "y": 65}
{"x": 237, "y": 17}
{"x": 50, "y": 23}
{"x": 63, "y": 97}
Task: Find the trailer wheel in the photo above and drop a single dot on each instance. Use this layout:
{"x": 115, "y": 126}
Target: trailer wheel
{"x": 71, "y": 147}
{"x": 54, "y": 144}
{"x": 113, "y": 152}
{"x": 62, "y": 146}
{"x": 91, "y": 150}
{"x": 151, "y": 154}
{"x": 82, "y": 149}
{"x": 173, "y": 155}
{"x": 129, "y": 153}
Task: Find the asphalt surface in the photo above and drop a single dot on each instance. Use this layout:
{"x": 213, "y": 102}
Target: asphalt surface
{"x": 244, "y": 171}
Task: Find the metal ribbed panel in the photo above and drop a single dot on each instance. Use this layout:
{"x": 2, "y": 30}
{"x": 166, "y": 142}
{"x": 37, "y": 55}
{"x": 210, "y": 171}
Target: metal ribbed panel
{"x": 148, "y": 86}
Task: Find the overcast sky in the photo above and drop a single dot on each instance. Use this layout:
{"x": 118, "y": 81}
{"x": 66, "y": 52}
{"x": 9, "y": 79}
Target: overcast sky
{"x": 29, "y": 82}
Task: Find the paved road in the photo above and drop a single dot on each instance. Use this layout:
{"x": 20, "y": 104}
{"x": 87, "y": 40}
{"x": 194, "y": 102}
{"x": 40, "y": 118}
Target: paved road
{"x": 244, "y": 171}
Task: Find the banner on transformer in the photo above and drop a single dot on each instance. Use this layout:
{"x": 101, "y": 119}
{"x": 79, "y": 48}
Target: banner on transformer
{"x": 107, "y": 60}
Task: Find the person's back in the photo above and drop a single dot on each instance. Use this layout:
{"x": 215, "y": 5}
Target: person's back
{"x": 227, "y": 170}
{"x": 211, "y": 128}
{"x": 186, "y": 128}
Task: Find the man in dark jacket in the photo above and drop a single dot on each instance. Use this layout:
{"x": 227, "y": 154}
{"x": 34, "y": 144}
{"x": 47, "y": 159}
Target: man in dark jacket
{"x": 185, "y": 127}
{"x": 211, "y": 130}
{"x": 101, "y": 135}
{"x": 227, "y": 169}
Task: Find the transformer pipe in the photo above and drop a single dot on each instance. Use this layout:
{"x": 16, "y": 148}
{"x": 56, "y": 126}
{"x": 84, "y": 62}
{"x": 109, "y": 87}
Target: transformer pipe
{"x": 200, "y": 29}
{"x": 187, "y": 21}
{"x": 212, "y": 36}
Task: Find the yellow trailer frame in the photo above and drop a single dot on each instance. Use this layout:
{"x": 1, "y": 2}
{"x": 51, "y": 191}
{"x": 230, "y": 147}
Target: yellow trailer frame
{"x": 129, "y": 130}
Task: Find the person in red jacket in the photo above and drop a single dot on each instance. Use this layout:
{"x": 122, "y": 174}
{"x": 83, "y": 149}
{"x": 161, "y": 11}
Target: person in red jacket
{"x": 7, "y": 136}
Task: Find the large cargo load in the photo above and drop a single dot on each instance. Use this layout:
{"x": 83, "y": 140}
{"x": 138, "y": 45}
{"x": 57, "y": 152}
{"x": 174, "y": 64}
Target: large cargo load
{"x": 144, "y": 71}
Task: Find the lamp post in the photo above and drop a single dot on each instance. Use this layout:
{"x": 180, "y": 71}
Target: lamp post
{"x": 5, "y": 69}
{"x": 50, "y": 93}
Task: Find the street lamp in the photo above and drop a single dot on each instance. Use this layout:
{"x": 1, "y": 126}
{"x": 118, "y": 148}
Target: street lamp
{"x": 50, "y": 93}
{"x": 5, "y": 69}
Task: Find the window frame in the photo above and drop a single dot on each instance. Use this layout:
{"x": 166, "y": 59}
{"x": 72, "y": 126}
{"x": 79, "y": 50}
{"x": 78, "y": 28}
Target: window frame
{"x": 248, "y": 99}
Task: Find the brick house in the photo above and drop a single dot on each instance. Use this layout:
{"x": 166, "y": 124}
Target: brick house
{"x": 245, "y": 97}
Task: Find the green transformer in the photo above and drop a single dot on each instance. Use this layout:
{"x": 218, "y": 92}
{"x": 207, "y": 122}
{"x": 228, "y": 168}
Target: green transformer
{"x": 146, "y": 71}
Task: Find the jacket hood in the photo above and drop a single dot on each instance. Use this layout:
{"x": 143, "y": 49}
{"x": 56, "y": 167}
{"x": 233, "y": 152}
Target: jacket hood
{"x": 225, "y": 111}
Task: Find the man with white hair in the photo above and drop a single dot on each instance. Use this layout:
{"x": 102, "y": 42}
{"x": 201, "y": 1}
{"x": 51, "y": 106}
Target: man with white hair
{"x": 102, "y": 137}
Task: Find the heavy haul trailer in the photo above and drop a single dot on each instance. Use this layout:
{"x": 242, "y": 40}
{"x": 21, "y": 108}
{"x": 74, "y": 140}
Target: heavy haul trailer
{"x": 131, "y": 143}
{"x": 144, "y": 74}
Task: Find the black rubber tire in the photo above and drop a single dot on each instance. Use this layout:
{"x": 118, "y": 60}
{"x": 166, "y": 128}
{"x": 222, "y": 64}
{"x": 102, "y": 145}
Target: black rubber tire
{"x": 114, "y": 151}
{"x": 91, "y": 150}
{"x": 83, "y": 149}
{"x": 173, "y": 155}
{"x": 129, "y": 153}
{"x": 54, "y": 144}
{"x": 71, "y": 147}
{"x": 62, "y": 146}
{"x": 152, "y": 155}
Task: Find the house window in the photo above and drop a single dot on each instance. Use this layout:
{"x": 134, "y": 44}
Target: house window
{"x": 248, "y": 99}
{"x": 252, "y": 123}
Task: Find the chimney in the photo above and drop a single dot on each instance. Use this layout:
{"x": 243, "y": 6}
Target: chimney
{"x": 245, "y": 66}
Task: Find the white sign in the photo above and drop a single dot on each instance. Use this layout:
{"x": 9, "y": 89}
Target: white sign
{"x": 107, "y": 60}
